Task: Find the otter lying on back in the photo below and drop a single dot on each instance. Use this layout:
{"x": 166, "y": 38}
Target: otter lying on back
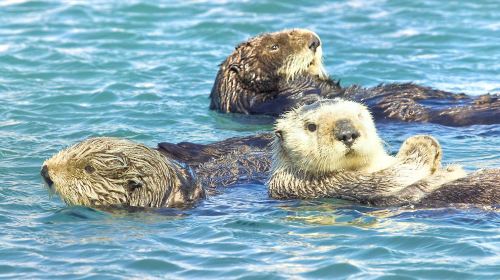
{"x": 274, "y": 72}
{"x": 331, "y": 149}
{"x": 102, "y": 172}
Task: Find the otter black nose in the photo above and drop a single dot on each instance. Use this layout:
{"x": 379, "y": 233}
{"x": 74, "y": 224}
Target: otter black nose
{"x": 45, "y": 175}
{"x": 314, "y": 43}
{"x": 345, "y": 132}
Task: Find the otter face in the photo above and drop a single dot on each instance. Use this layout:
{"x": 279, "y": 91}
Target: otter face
{"x": 285, "y": 53}
{"x": 257, "y": 68}
{"x": 116, "y": 172}
{"x": 326, "y": 136}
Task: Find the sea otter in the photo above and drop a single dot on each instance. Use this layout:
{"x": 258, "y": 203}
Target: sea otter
{"x": 274, "y": 72}
{"x": 317, "y": 147}
{"x": 107, "y": 171}
{"x": 102, "y": 172}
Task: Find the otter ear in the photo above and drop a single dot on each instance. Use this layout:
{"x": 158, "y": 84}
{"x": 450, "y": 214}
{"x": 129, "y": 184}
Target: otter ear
{"x": 133, "y": 184}
{"x": 235, "y": 67}
{"x": 279, "y": 134}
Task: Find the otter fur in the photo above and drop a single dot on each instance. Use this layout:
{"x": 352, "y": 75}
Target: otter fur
{"x": 254, "y": 78}
{"x": 111, "y": 172}
{"x": 275, "y": 72}
{"x": 331, "y": 149}
{"x": 105, "y": 171}
{"x": 370, "y": 176}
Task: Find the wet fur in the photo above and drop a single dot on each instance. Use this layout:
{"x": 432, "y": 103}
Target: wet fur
{"x": 255, "y": 74}
{"x": 250, "y": 82}
{"x": 311, "y": 164}
{"x": 125, "y": 173}
{"x": 107, "y": 171}
{"x": 229, "y": 162}
{"x": 319, "y": 152}
{"x": 412, "y": 179}
{"x": 255, "y": 154}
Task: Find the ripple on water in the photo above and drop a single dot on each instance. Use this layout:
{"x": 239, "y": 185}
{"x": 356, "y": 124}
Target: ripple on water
{"x": 143, "y": 70}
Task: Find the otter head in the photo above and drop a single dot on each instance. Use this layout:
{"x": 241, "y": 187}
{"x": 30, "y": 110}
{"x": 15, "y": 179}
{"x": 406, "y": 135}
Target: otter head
{"x": 105, "y": 171}
{"x": 326, "y": 136}
{"x": 259, "y": 64}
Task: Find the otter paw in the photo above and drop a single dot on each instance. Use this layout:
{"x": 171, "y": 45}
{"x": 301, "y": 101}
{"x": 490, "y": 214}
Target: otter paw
{"x": 422, "y": 149}
{"x": 445, "y": 175}
{"x": 455, "y": 172}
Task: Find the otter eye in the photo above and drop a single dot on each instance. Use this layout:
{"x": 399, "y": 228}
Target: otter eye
{"x": 133, "y": 184}
{"x": 311, "y": 127}
{"x": 279, "y": 134}
{"x": 275, "y": 47}
{"x": 89, "y": 169}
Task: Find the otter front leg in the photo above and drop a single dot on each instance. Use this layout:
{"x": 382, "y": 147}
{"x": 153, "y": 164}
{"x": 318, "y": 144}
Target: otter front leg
{"x": 288, "y": 95}
{"x": 418, "y": 160}
{"x": 423, "y": 150}
{"x": 423, "y": 153}
{"x": 418, "y": 157}
{"x": 414, "y": 193}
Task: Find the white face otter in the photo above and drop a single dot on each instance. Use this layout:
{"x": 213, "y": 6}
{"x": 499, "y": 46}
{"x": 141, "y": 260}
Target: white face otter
{"x": 108, "y": 171}
{"x": 327, "y": 136}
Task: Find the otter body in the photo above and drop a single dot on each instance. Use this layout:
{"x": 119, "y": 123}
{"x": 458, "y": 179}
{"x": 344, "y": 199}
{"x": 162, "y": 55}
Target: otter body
{"x": 327, "y": 149}
{"x": 331, "y": 149}
{"x": 234, "y": 161}
{"x": 275, "y": 72}
{"x": 478, "y": 188}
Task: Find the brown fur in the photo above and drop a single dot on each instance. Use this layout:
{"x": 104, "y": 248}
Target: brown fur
{"x": 109, "y": 171}
{"x": 480, "y": 187}
{"x": 252, "y": 74}
{"x": 103, "y": 172}
{"x": 253, "y": 81}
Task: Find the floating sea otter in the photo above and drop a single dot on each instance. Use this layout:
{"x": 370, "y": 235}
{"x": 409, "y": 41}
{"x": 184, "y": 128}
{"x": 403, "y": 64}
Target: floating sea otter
{"x": 274, "y": 72}
{"x": 322, "y": 156}
{"x": 318, "y": 147}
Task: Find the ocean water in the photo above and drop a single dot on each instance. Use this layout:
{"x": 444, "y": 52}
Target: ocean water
{"x": 143, "y": 70}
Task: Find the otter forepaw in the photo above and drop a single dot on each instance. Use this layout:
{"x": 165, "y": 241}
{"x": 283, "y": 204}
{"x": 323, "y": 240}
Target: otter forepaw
{"x": 445, "y": 175}
{"x": 423, "y": 149}
{"x": 455, "y": 172}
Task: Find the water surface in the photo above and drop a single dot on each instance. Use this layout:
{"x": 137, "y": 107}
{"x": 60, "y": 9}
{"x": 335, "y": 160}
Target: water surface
{"x": 143, "y": 70}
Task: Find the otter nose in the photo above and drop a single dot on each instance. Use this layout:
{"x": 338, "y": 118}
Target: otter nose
{"x": 345, "y": 132}
{"x": 314, "y": 43}
{"x": 45, "y": 175}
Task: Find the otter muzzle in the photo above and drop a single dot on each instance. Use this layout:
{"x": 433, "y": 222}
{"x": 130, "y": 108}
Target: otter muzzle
{"x": 345, "y": 132}
{"x": 314, "y": 43}
{"x": 45, "y": 175}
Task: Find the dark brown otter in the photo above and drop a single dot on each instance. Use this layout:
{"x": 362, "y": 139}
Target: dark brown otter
{"x": 274, "y": 72}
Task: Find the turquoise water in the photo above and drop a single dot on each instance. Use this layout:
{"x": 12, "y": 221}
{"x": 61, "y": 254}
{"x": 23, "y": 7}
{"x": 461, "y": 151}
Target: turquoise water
{"x": 143, "y": 70}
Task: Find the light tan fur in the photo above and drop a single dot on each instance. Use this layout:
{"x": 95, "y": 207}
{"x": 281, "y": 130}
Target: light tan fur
{"x": 107, "y": 171}
{"x": 304, "y": 61}
{"x": 310, "y": 164}
{"x": 319, "y": 152}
